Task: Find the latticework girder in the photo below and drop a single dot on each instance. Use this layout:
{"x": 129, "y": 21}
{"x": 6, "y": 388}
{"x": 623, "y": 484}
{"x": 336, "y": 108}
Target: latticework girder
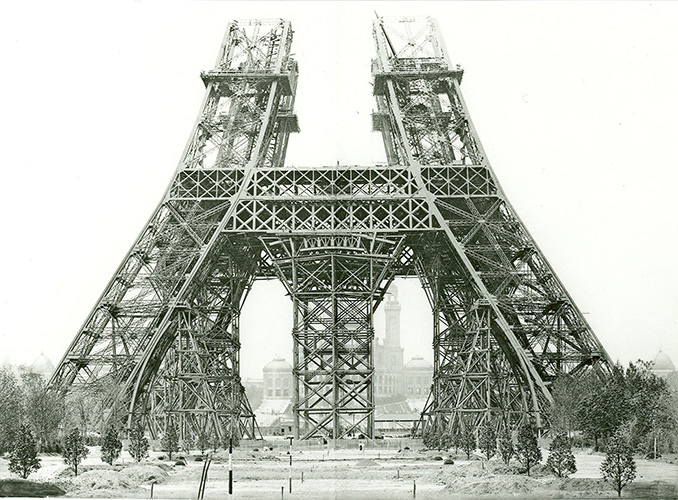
{"x": 162, "y": 342}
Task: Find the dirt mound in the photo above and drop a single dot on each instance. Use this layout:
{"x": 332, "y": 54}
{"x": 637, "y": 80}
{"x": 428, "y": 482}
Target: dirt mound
{"x": 651, "y": 489}
{"x": 502, "y": 468}
{"x": 25, "y": 488}
{"x": 492, "y": 485}
{"x": 578, "y": 484}
{"x": 166, "y": 467}
{"x": 473, "y": 469}
{"x": 98, "y": 480}
{"x": 366, "y": 463}
{"x": 539, "y": 470}
{"x": 70, "y": 472}
{"x": 65, "y": 472}
{"x": 448, "y": 475}
{"x": 144, "y": 473}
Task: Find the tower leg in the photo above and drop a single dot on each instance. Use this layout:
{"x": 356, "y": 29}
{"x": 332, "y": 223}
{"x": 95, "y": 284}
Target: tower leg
{"x": 198, "y": 384}
{"x": 473, "y": 378}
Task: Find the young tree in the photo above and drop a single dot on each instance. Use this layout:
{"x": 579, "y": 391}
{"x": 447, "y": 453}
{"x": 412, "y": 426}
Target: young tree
{"x": 74, "y": 450}
{"x": 468, "y": 441}
{"x": 429, "y": 438}
{"x": 214, "y": 441}
{"x": 11, "y": 408}
{"x": 561, "y": 460}
{"x": 44, "y": 409}
{"x": 441, "y": 443}
{"x": 618, "y": 468}
{"x": 138, "y": 444}
{"x": 446, "y": 440}
{"x": 455, "y": 437}
{"x": 487, "y": 439}
{"x": 110, "y": 446}
{"x": 506, "y": 450}
{"x": 23, "y": 458}
{"x": 187, "y": 444}
{"x": 170, "y": 441}
{"x": 203, "y": 441}
{"x": 527, "y": 449}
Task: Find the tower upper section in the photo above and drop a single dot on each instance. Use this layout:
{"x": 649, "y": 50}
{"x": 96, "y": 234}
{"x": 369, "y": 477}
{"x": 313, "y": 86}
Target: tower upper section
{"x": 410, "y": 46}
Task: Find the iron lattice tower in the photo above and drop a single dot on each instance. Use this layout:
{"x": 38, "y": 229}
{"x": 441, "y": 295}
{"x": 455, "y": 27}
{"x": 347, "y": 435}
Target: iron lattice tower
{"x": 162, "y": 341}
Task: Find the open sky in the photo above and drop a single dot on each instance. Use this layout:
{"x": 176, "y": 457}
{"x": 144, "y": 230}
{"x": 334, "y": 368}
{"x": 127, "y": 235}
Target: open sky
{"x": 575, "y": 104}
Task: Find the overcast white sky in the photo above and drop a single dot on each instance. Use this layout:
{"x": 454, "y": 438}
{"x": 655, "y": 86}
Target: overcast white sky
{"x": 575, "y": 104}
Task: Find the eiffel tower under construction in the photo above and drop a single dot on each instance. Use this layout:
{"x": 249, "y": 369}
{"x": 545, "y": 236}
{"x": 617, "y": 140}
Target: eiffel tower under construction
{"x": 162, "y": 342}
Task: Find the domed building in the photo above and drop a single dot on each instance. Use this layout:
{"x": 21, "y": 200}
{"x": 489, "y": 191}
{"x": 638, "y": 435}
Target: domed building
{"x": 274, "y": 414}
{"x": 662, "y": 366}
{"x": 42, "y": 366}
{"x": 278, "y": 380}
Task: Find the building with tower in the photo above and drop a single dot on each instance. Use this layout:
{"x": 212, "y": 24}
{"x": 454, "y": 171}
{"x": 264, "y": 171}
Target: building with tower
{"x": 388, "y": 354}
{"x": 401, "y": 389}
{"x": 396, "y": 380}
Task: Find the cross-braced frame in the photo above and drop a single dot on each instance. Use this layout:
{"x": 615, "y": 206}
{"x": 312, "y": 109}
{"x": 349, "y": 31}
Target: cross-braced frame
{"x": 162, "y": 342}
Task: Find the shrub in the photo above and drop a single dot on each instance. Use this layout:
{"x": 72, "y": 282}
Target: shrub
{"x": 618, "y": 468}
{"x": 110, "y": 446}
{"x": 170, "y": 441}
{"x": 468, "y": 441}
{"x": 23, "y": 459}
{"x": 74, "y": 450}
{"x": 487, "y": 439}
{"x": 506, "y": 450}
{"x": 527, "y": 449}
{"x": 561, "y": 460}
{"x": 138, "y": 444}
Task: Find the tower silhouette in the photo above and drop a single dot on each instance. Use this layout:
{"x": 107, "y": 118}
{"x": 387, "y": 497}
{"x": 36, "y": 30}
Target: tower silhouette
{"x": 162, "y": 341}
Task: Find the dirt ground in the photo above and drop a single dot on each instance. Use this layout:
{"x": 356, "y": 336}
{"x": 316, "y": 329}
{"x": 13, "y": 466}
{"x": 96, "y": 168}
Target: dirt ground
{"x": 345, "y": 474}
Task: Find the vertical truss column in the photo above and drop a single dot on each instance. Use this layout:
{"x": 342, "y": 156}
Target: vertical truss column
{"x": 335, "y": 283}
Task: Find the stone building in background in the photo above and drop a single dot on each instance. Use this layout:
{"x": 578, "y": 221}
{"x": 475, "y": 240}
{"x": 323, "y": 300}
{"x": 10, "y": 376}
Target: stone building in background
{"x": 388, "y": 380}
{"x": 274, "y": 414}
{"x": 662, "y": 366}
{"x": 394, "y": 380}
{"x": 278, "y": 380}
{"x": 42, "y": 366}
